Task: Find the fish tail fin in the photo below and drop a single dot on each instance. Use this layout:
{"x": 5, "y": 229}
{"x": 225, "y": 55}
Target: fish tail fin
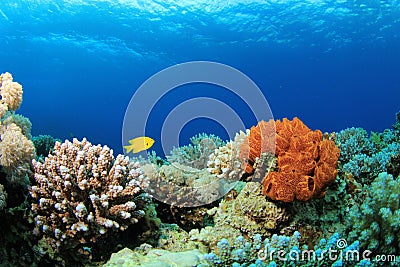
{"x": 128, "y": 148}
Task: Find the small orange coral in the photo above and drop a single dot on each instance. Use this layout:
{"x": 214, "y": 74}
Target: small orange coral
{"x": 306, "y": 163}
{"x": 260, "y": 140}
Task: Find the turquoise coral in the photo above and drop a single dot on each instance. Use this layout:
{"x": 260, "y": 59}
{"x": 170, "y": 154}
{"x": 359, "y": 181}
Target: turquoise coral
{"x": 353, "y": 141}
{"x": 43, "y": 144}
{"x": 364, "y": 157}
{"x": 196, "y": 154}
{"x": 376, "y": 222}
{"x": 286, "y": 251}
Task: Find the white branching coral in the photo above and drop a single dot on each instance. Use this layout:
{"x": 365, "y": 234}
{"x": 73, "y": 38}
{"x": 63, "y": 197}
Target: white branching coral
{"x": 82, "y": 192}
{"x": 225, "y": 161}
{"x": 11, "y": 93}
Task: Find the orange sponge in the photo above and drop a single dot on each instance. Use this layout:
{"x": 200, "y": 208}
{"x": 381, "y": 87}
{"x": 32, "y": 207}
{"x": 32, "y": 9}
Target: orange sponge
{"x": 306, "y": 163}
{"x": 260, "y": 140}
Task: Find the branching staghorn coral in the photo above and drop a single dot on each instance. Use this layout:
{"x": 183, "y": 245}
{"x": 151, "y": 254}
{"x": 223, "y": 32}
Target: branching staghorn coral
{"x": 83, "y": 193}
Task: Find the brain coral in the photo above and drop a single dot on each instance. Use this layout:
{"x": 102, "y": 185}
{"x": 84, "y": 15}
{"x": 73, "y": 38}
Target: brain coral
{"x": 306, "y": 163}
{"x": 11, "y": 92}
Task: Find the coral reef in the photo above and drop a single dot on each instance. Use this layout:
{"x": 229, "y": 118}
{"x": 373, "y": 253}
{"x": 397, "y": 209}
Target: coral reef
{"x": 11, "y": 93}
{"x": 16, "y": 148}
{"x": 85, "y": 203}
{"x": 249, "y": 213}
{"x": 150, "y": 257}
{"x": 180, "y": 185}
{"x": 16, "y": 151}
{"x": 225, "y": 161}
{"x": 44, "y": 144}
{"x": 83, "y": 194}
{"x": 319, "y": 217}
{"x": 376, "y": 222}
{"x": 261, "y": 140}
{"x": 174, "y": 238}
{"x": 365, "y": 157}
{"x": 22, "y": 122}
{"x": 352, "y": 141}
{"x": 283, "y": 250}
{"x": 196, "y": 155}
{"x": 306, "y": 163}
{"x": 3, "y": 197}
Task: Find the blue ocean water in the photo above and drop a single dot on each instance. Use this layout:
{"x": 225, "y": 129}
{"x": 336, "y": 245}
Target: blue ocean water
{"x": 334, "y": 64}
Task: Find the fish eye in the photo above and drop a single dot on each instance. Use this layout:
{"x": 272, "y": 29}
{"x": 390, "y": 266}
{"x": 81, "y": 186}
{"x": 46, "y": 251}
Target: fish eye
{"x": 147, "y": 144}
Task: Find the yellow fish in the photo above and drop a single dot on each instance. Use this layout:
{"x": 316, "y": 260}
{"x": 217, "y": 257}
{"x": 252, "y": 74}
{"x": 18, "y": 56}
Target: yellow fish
{"x": 139, "y": 144}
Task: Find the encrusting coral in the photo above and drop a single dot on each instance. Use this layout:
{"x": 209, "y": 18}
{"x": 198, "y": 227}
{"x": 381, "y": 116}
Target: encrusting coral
{"x": 83, "y": 193}
{"x": 306, "y": 163}
{"x": 248, "y": 213}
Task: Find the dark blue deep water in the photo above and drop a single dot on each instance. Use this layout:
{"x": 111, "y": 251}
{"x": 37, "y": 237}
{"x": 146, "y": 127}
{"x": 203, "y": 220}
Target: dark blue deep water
{"x": 334, "y": 64}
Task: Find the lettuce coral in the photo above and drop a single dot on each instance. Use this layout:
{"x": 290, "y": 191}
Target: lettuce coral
{"x": 306, "y": 163}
